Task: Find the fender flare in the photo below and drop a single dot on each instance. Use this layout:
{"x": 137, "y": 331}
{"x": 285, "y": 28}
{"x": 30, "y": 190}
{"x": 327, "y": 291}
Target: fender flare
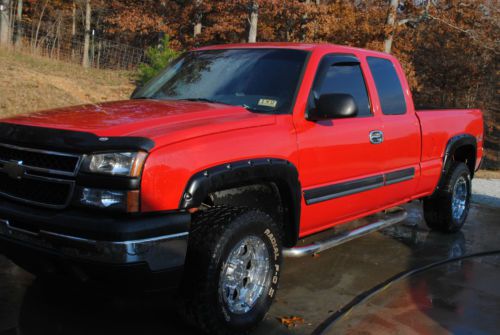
{"x": 239, "y": 173}
{"x": 456, "y": 142}
{"x": 453, "y": 144}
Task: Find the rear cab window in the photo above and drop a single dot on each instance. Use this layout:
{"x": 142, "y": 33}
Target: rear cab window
{"x": 389, "y": 88}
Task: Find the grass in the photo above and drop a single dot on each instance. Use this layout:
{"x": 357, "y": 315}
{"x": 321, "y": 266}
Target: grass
{"x": 29, "y": 83}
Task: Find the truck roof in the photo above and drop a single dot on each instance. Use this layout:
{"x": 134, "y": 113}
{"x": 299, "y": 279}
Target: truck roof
{"x": 293, "y": 45}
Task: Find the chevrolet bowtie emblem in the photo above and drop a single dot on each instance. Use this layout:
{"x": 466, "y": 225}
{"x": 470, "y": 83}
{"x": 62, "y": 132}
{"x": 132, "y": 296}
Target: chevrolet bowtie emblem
{"x": 14, "y": 169}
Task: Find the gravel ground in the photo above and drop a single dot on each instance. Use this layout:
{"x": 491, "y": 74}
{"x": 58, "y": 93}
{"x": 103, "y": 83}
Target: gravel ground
{"x": 486, "y": 192}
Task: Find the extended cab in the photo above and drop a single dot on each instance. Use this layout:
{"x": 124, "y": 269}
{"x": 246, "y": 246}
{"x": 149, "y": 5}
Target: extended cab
{"x": 223, "y": 164}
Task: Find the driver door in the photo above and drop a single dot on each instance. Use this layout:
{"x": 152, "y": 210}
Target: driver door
{"x": 340, "y": 167}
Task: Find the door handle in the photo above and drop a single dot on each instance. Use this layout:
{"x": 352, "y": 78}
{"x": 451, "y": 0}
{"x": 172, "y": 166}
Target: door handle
{"x": 376, "y": 137}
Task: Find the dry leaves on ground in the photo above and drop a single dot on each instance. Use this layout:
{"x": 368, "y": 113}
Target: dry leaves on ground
{"x": 291, "y": 321}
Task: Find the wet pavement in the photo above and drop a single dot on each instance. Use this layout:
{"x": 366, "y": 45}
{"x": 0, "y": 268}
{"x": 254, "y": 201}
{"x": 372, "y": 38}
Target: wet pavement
{"x": 459, "y": 296}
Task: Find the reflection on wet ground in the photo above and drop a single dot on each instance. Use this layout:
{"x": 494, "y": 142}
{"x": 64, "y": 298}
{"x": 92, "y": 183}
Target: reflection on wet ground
{"x": 448, "y": 298}
{"x": 460, "y": 297}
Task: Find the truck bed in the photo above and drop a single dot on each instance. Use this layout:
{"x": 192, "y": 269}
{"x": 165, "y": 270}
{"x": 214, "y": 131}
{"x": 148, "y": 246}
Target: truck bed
{"x": 438, "y": 126}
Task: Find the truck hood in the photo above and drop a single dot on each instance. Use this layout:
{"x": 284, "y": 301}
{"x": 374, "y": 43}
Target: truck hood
{"x": 162, "y": 121}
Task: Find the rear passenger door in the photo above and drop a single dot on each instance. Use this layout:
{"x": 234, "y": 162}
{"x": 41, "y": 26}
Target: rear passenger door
{"x": 401, "y": 130}
{"x": 339, "y": 167}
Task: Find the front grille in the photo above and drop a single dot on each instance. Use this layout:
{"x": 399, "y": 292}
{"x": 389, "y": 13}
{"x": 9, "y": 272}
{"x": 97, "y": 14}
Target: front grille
{"x": 37, "y": 177}
{"x": 42, "y": 192}
{"x": 39, "y": 159}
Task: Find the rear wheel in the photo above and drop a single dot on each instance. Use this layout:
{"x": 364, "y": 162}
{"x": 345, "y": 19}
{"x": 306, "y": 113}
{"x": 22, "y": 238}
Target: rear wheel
{"x": 232, "y": 270}
{"x": 447, "y": 210}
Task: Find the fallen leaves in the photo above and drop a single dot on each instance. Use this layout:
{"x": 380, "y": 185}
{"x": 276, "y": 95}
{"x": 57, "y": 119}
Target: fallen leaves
{"x": 291, "y": 321}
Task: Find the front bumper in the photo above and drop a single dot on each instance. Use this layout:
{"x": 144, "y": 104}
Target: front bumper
{"x": 152, "y": 243}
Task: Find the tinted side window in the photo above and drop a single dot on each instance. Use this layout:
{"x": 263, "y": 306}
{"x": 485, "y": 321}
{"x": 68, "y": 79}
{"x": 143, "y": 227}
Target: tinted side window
{"x": 390, "y": 91}
{"x": 347, "y": 79}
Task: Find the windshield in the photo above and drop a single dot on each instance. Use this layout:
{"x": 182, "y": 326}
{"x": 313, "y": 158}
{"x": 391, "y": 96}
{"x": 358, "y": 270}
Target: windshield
{"x": 261, "y": 80}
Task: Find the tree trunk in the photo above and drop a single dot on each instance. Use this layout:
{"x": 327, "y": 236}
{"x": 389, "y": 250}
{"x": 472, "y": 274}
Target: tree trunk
{"x": 35, "y": 45}
{"x": 99, "y": 50}
{"x": 86, "y": 44}
{"x": 73, "y": 30}
{"x": 12, "y": 19}
{"x": 197, "y": 29}
{"x": 391, "y": 19}
{"x": 254, "y": 19}
{"x": 55, "y": 41}
{"x": 19, "y": 23}
{"x": 5, "y": 22}
{"x": 198, "y": 17}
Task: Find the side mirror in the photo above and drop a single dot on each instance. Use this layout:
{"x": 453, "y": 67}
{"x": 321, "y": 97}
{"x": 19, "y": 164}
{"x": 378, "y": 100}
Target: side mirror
{"x": 333, "y": 106}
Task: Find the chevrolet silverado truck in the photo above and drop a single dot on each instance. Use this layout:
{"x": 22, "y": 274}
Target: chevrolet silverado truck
{"x": 224, "y": 164}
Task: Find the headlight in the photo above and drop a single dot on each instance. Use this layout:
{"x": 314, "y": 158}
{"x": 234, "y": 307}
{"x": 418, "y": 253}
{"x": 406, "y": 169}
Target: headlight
{"x": 127, "y": 164}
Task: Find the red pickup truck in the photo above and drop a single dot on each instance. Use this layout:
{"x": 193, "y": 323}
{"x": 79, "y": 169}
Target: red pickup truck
{"x": 221, "y": 166}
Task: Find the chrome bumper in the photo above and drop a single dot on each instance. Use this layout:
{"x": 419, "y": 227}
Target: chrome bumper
{"x": 160, "y": 253}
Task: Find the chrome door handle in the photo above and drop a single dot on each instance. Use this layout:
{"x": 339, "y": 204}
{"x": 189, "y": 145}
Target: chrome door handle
{"x": 376, "y": 137}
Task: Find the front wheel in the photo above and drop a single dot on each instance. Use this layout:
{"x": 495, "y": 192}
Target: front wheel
{"x": 232, "y": 270}
{"x": 447, "y": 210}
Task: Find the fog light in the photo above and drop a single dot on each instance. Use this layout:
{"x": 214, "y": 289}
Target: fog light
{"x": 127, "y": 201}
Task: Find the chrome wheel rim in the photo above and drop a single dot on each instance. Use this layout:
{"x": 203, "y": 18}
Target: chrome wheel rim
{"x": 459, "y": 199}
{"x": 245, "y": 275}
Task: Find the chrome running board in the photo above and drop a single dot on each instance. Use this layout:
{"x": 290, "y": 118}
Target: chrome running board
{"x": 388, "y": 220}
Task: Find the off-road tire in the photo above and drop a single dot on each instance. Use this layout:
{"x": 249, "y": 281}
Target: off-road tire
{"x": 438, "y": 209}
{"x": 215, "y": 232}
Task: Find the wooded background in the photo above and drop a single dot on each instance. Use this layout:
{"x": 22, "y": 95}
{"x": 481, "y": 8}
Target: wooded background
{"x": 449, "y": 48}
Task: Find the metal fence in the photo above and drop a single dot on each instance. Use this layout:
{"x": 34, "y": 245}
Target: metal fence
{"x": 56, "y": 43}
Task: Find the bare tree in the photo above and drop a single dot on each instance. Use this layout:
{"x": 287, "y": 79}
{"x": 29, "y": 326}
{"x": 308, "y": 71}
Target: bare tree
{"x": 4, "y": 22}
{"x": 19, "y": 22}
{"x": 57, "y": 36}
{"x": 86, "y": 44}
{"x": 73, "y": 29}
{"x": 35, "y": 43}
{"x": 391, "y": 20}
{"x": 254, "y": 19}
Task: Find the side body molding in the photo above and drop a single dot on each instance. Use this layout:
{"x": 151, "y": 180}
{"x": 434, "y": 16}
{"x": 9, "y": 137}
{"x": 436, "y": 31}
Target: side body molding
{"x": 281, "y": 172}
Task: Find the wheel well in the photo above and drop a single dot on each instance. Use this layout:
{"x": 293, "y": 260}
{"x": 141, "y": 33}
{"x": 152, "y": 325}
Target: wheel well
{"x": 266, "y": 196}
{"x": 271, "y": 184}
{"x": 466, "y": 154}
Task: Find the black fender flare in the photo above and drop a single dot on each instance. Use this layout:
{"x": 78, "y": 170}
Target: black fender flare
{"x": 451, "y": 147}
{"x": 233, "y": 174}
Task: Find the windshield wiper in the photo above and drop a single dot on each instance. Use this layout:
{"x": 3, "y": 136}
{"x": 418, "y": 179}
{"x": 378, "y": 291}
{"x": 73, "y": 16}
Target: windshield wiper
{"x": 206, "y": 100}
{"x": 248, "y": 108}
{"x": 257, "y": 110}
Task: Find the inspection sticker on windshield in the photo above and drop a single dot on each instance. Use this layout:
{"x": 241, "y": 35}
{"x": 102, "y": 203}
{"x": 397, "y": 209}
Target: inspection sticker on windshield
{"x": 268, "y": 103}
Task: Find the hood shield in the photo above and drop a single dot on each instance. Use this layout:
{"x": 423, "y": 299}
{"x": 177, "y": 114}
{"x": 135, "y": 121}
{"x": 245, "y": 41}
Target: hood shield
{"x": 68, "y": 140}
